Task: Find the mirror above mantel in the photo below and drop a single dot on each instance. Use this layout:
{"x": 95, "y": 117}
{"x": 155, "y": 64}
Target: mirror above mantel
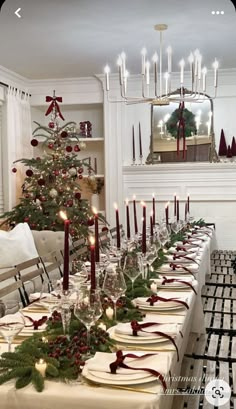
{"x": 167, "y": 143}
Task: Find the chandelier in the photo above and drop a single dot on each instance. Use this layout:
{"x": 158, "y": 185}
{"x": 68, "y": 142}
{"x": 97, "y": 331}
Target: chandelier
{"x": 160, "y": 91}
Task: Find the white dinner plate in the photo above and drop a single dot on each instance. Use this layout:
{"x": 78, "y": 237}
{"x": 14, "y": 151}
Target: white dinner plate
{"x": 87, "y": 374}
{"x": 120, "y": 377}
{"x": 136, "y": 340}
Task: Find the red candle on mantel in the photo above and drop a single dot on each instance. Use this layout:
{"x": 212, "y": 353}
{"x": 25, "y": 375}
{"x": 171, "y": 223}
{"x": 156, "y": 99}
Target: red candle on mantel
{"x": 175, "y": 204}
{"x": 65, "y": 281}
{"x": 153, "y": 209}
{"x": 135, "y": 216}
{"x": 127, "y": 219}
{"x": 97, "y": 256}
{"x": 140, "y": 141}
{"x": 92, "y": 261}
{"x": 133, "y": 144}
{"x": 144, "y": 243}
{"x": 117, "y": 227}
{"x": 177, "y": 209}
{"x": 151, "y": 223}
{"x": 167, "y": 213}
{"x": 186, "y": 211}
{"x": 188, "y": 203}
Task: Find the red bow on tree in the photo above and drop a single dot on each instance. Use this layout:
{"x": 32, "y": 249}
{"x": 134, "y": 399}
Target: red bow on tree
{"x": 119, "y": 362}
{"x": 54, "y": 105}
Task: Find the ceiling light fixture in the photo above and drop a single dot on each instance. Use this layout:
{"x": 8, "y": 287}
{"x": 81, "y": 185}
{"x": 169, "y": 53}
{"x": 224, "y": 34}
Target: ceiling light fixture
{"x": 161, "y": 86}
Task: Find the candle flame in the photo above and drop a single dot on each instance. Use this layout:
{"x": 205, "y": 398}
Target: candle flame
{"x": 41, "y": 361}
{"x": 127, "y": 202}
{"x": 143, "y": 204}
{"x": 63, "y": 215}
{"x": 151, "y": 213}
{"x": 153, "y": 195}
{"x": 115, "y": 206}
{"x": 92, "y": 240}
{"x": 94, "y": 210}
{"x": 134, "y": 197}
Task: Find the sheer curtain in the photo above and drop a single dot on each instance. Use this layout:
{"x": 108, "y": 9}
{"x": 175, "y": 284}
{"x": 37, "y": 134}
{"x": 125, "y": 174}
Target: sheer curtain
{"x": 18, "y": 130}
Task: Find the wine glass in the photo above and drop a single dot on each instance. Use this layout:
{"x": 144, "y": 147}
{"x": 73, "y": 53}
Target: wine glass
{"x": 114, "y": 285}
{"x": 133, "y": 267}
{"x": 11, "y": 324}
{"x": 88, "y": 309}
{"x": 50, "y": 295}
{"x": 163, "y": 234}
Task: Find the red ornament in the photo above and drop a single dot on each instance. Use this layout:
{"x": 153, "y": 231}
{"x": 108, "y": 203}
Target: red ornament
{"x": 42, "y": 199}
{"x": 64, "y": 134}
{"x": 41, "y": 182}
{"x": 56, "y": 172}
{"x": 69, "y": 203}
{"x": 78, "y": 195}
{"x": 90, "y": 221}
{"x": 26, "y": 219}
{"x": 76, "y": 148}
{"x": 80, "y": 170}
{"x": 29, "y": 173}
{"x": 51, "y": 125}
{"x": 34, "y": 142}
{"x": 104, "y": 229}
{"x": 72, "y": 232}
{"x": 50, "y": 145}
{"x": 27, "y": 195}
{"x": 222, "y": 146}
{"x": 14, "y": 170}
{"x": 69, "y": 149}
{"x": 38, "y": 158}
{"x": 33, "y": 225}
{"x": 80, "y": 176}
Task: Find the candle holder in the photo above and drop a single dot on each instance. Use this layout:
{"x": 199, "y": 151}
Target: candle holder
{"x": 65, "y": 307}
{"x": 133, "y": 162}
{"x": 141, "y": 160}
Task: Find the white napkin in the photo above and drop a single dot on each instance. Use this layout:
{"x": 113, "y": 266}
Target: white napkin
{"x": 165, "y": 268}
{"x": 159, "y": 281}
{"x": 125, "y": 328}
{"x": 36, "y": 296}
{"x": 142, "y": 302}
{"x": 184, "y": 258}
{"x": 101, "y": 363}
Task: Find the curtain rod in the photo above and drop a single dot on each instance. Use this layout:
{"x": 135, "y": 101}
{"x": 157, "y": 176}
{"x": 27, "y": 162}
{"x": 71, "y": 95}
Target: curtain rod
{"x": 6, "y": 85}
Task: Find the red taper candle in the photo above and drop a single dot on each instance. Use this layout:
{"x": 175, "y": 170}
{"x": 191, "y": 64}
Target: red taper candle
{"x": 188, "y": 203}
{"x": 97, "y": 255}
{"x": 92, "y": 261}
{"x": 135, "y": 216}
{"x": 144, "y": 243}
{"x": 117, "y": 227}
{"x": 153, "y": 209}
{"x": 151, "y": 223}
{"x": 177, "y": 209}
{"x": 175, "y": 205}
{"x": 65, "y": 280}
{"x": 127, "y": 219}
{"x": 167, "y": 213}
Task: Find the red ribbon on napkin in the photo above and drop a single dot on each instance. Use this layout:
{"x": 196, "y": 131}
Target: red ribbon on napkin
{"x": 190, "y": 242}
{"x": 54, "y": 104}
{"x": 36, "y": 323}
{"x": 179, "y": 266}
{"x": 119, "y": 362}
{"x": 154, "y": 298}
{"x": 136, "y": 327}
{"x": 176, "y": 257}
{"x": 175, "y": 280}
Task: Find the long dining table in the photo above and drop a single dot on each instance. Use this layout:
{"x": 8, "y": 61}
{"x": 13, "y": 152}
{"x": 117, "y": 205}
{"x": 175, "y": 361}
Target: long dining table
{"x": 87, "y": 395}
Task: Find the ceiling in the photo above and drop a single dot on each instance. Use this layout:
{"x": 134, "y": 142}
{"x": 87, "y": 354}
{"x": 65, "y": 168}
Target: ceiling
{"x": 76, "y": 38}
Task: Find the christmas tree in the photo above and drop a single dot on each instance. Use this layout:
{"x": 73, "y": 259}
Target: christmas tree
{"x": 233, "y": 147}
{"x": 222, "y": 147}
{"x": 52, "y": 181}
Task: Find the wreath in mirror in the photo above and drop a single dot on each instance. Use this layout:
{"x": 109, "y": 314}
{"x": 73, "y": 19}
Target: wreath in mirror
{"x": 189, "y": 123}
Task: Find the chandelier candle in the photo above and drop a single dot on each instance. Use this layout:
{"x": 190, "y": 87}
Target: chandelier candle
{"x": 117, "y": 227}
{"x": 135, "y": 216}
{"x": 177, "y": 209}
{"x": 127, "y": 219}
{"x": 133, "y": 145}
{"x": 144, "y": 244}
{"x": 153, "y": 209}
{"x": 97, "y": 256}
{"x": 65, "y": 282}
{"x": 92, "y": 261}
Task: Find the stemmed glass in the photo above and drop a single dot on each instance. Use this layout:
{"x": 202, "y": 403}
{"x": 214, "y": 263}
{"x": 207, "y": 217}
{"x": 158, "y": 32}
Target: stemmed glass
{"x": 114, "y": 285}
{"x": 88, "y": 309}
{"x": 133, "y": 267}
{"x": 50, "y": 295}
{"x": 11, "y": 324}
{"x": 163, "y": 234}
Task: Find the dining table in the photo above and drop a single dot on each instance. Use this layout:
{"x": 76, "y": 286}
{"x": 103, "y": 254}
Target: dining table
{"x": 85, "y": 394}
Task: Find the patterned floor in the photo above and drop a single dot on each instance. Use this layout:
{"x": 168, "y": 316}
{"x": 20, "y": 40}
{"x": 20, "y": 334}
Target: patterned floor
{"x": 214, "y": 354}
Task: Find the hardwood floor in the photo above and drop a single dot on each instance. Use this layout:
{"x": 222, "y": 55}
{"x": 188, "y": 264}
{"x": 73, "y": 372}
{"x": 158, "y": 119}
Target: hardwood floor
{"x": 213, "y": 354}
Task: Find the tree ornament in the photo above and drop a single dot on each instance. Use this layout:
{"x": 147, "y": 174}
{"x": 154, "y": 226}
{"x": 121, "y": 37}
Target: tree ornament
{"x": 80, "y": 170}
{"x": 80, "y": 176}
{"x": 56, "y": 172}
{"x": 90, "y": 221}
{"x": 76, "y": 148}
{"x": 50, "y": 145}
{"x": 72, "y": 171}
{"x": 26, "y": 219}
{"x": 38, "y": 158}
{"x": 64, "y": 134}
{"x": 27, "y": 195}
{"x": 32, "y": 225}
{"x": 78, "y": 195}
{"x": 41, "y": 182}
{"x": 64, "y": 171}
{"x": 53, "y": 193}
{"x": 82, "y": 145}
{"x": 60, "y": 189}
{"x": 51, "y": 125}
{"x": 69, "y": 148}
{"x": 34, "y": 142}
{"x": 43, "y": 198}
{"x": 69, "y": 203}
{"x": 14, "y": 170}
{"x": 29, "y": 173}
{"x": 104, "y": 229}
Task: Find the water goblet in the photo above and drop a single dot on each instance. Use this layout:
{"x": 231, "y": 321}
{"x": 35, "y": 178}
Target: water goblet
{"x": 133, "y": 267}
{"x": 114, "y": 285}
{"x": 11, "y": 324}
{"x": 50, "y": 295}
